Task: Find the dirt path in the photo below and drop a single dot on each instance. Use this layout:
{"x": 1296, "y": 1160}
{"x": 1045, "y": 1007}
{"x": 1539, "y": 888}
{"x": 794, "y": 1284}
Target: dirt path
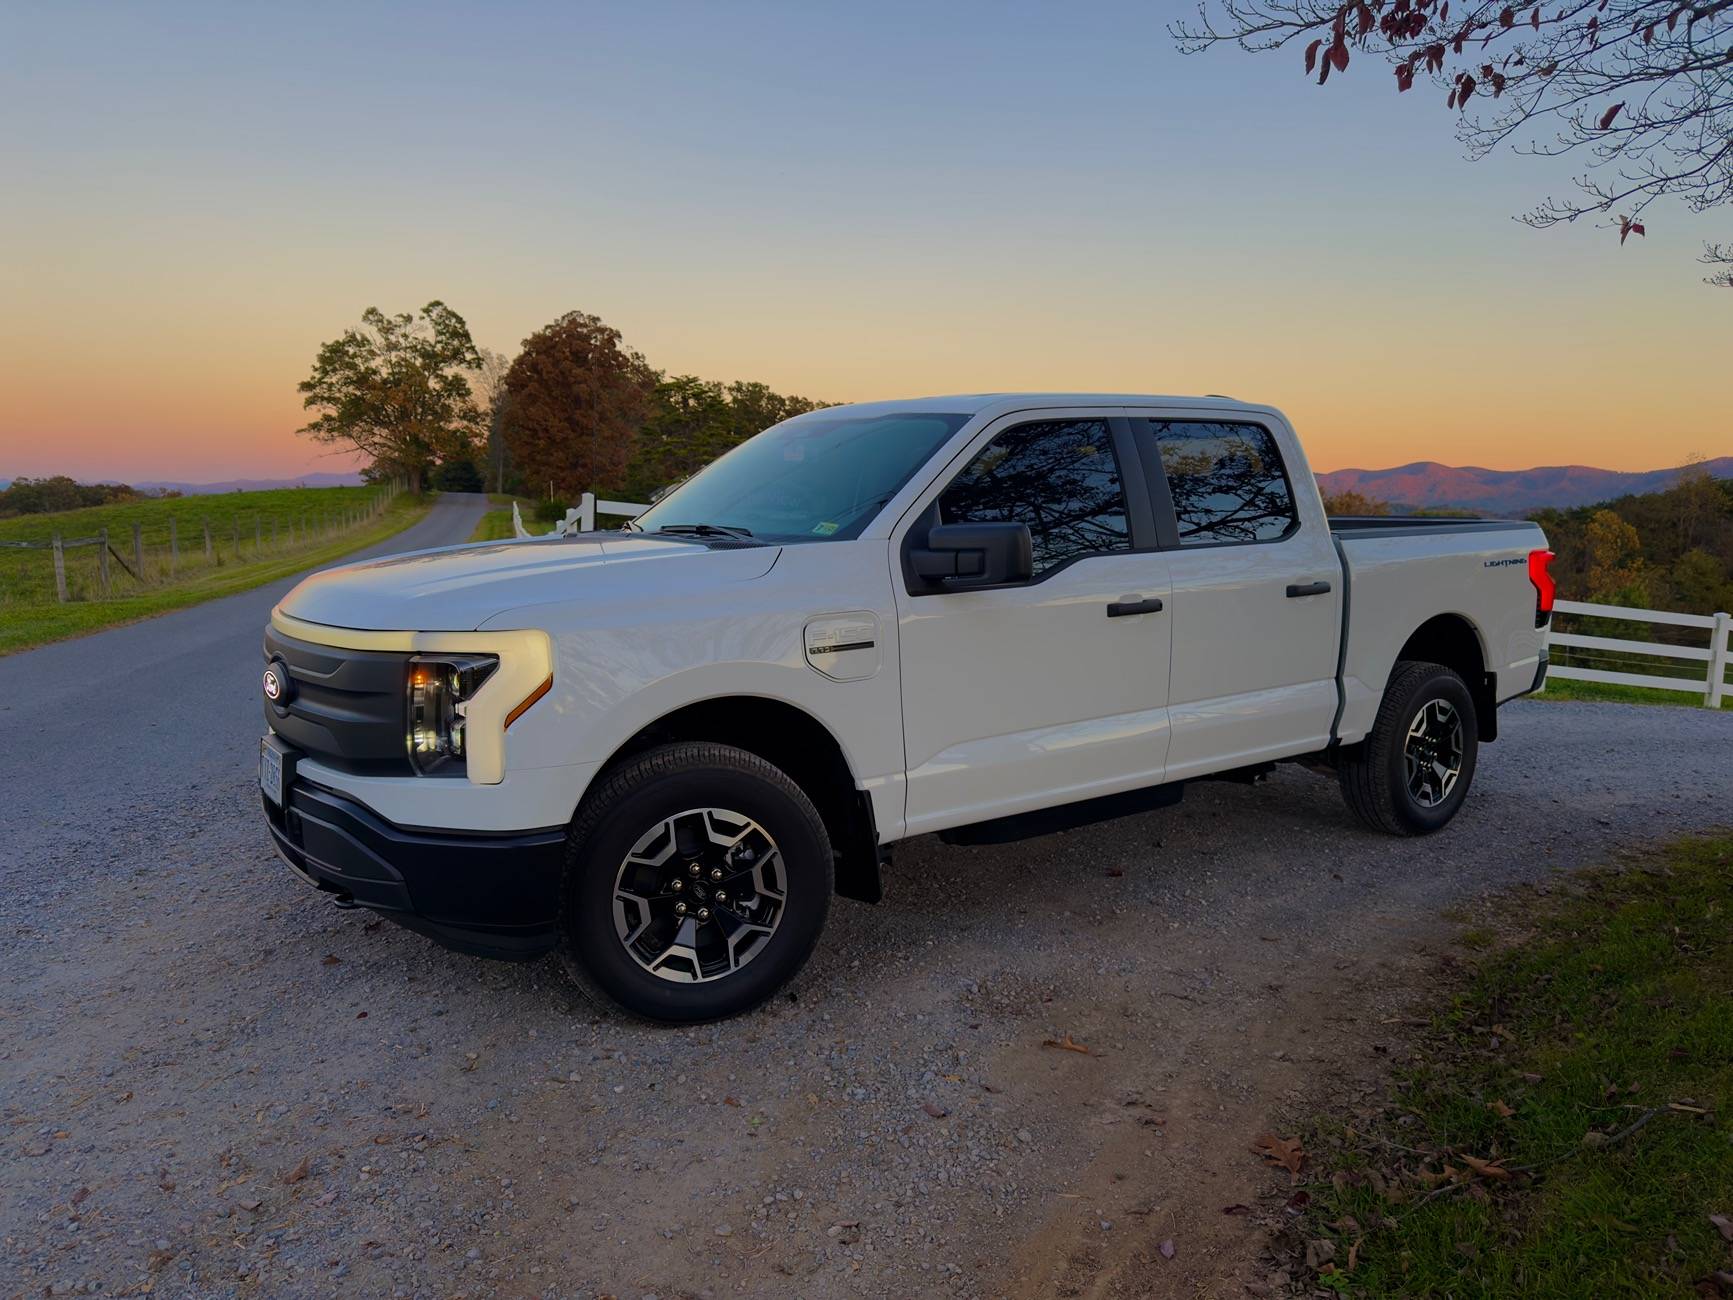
{"x": 212, "y": 1085}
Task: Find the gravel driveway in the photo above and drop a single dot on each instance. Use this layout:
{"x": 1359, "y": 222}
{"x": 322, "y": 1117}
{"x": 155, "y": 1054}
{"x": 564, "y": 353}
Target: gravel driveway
{"x": 214, "y": 1084}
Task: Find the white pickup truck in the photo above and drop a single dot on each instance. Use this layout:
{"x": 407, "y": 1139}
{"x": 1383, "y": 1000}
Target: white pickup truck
{"x": 661, "y": 750}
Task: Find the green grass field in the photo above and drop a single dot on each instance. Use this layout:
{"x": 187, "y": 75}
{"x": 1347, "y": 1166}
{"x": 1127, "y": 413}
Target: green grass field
{"x": 1558, "y": 688}
{"x": 495, "y": 525}
{"x": 255, "y": 537}
{"x": 1566, "y": 1128}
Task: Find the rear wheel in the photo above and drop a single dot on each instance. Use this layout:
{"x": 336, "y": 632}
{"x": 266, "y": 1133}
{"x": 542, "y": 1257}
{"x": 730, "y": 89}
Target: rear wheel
{"x": 697, "y": 879}
{"x": 1412, "y": 772}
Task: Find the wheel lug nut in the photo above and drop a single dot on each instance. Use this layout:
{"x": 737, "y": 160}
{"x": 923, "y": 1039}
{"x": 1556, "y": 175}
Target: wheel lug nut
{"x": 721, "y": 895}
{"x": 704, "y": 914}
{"x": 716, "y": 873}
{"x": 677, "y": 884}
{"x": 679, "y": 909}
{"x": 693, "y": 870}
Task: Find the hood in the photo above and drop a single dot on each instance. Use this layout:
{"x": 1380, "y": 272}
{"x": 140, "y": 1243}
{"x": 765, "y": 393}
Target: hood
{"x": 458, "y": 588}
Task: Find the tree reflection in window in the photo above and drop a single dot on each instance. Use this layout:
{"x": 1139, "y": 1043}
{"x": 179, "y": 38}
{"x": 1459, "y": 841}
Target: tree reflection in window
{"x": 1227, "y": 481}
{"x": 1059, "y": 477}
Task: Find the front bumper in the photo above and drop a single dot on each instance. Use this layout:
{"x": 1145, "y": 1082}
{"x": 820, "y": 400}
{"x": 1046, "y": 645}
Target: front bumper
{"x": 491, "y": 895}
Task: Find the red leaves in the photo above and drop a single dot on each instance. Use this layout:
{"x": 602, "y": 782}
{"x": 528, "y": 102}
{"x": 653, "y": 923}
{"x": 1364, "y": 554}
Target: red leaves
{"x": 1507, "y": 17}
{"x": 1627, "y": 227}
{"x": 1608, "y": 116}
{"x": 1404, "y": 76}
{"x": 1339, "y": 55}
{"x": 1312, "y": 54}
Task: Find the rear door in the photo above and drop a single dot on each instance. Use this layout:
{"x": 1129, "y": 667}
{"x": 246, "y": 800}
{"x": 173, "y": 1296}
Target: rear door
{"x": 1044, "y": 692}
{"x": 1256, "y": 595}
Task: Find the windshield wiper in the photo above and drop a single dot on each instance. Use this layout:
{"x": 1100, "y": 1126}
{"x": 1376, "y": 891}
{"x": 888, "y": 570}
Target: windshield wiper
{"x": 706, "y": 530}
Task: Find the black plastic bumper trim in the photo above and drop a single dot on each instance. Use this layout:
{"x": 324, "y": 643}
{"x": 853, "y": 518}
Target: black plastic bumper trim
{"x": 490, "y": 895}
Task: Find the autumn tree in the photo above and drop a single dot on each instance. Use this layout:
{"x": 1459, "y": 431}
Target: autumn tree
{"x": 1640, "y": 90}
{"x": 575, "y": 398}
{"x": 692, "y": 421}
{"x": 1352, "y": 503}
{"x": 1615, "y": 560}
{"x": 397, "y": 390}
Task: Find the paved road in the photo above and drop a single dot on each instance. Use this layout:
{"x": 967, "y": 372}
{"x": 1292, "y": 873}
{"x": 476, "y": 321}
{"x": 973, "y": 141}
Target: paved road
{"x": 90, "y": 728}
{"x": 216, "y": 1085}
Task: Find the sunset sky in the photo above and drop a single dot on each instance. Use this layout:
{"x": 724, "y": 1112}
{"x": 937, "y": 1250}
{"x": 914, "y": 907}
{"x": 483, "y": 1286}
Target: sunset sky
{"x": 848, "y": 202}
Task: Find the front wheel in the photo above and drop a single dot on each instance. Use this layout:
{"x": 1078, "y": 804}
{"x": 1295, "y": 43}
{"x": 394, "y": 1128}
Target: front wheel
{"x": 697, "y": 879}
{"x": 1412, "y": 772}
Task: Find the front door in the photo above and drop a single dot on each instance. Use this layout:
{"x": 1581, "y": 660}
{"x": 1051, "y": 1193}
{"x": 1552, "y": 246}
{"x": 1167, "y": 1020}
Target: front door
{"x": 1052, "y": 690}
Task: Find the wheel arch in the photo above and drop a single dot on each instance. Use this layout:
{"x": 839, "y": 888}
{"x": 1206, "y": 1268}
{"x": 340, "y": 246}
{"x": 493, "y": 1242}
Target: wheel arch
{"x": 793, "y": 740}
{"x": 1453, "y": 640}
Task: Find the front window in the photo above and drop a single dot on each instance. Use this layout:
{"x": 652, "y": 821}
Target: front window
{"x": 812, "y": 479}
{"x": 1058, "y": 476}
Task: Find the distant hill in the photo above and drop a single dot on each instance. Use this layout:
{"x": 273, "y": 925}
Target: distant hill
{"x": 251, "y": 484}
{"x": 1427, "y": 483}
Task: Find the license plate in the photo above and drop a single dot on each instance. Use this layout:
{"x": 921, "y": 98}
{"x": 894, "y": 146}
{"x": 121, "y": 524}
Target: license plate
{"x": 271, "y": 771}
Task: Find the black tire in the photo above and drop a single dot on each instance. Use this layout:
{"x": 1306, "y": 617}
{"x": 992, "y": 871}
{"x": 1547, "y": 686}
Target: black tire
{"x": 1375, "y": 773}
{"x": 657, "y": 787}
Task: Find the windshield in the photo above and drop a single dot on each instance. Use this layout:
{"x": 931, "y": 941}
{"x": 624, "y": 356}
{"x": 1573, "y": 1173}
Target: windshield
{"x": 808, "y": 479}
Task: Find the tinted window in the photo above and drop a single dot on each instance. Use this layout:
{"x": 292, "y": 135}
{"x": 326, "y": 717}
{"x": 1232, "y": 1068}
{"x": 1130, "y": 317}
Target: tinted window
{"x": 1227, "y": 481}
{"x": 1059, "y": 477}
{"x": 818, "y": 477}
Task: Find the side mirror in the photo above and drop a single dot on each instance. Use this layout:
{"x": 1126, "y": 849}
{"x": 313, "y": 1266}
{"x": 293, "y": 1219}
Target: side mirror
{"x": 958, "y": 556}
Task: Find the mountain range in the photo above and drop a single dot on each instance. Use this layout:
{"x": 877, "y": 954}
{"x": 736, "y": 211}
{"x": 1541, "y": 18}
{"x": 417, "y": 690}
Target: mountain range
{"x": 1427, "y": 483}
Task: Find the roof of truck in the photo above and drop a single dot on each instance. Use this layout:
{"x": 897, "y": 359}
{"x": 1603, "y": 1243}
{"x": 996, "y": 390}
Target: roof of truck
{"x": 999, "y": 403}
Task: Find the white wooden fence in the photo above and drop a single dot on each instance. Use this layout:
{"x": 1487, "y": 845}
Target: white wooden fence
{"x": 1714, "y": 656}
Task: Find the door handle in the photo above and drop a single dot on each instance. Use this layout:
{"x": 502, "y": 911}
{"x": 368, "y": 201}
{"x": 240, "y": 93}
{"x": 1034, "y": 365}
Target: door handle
{"x": 1126, "y": 608}
{"x": 1308, "y": 588}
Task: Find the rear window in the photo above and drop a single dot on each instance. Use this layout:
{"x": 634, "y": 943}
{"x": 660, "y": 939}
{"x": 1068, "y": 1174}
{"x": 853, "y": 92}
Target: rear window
{"x": 1227, "y": 481}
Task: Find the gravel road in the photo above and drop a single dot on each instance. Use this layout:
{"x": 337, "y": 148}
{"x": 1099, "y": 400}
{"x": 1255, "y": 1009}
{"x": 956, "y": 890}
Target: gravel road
{"x": 213, "y": 1084}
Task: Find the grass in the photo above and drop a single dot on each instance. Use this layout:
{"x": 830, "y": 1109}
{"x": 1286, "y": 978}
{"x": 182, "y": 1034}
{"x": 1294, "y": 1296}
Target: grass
{"x": 31, "y": 615}
{"x": 1559, "y": 688}
{"x": 495, "y": 525}
{"x": 1593, "y": 1065}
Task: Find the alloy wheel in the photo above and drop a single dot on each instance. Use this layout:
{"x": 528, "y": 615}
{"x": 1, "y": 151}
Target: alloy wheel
{"x": 1433, "y": 752}
{"x": 699, "y": 895}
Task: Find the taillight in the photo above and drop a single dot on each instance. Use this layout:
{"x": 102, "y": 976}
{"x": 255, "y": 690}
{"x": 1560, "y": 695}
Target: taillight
{"x": 1540, "y": 574}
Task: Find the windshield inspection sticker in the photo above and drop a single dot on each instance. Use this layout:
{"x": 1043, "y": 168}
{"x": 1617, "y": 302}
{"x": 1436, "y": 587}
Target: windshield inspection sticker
{"x": 825, "y": 529}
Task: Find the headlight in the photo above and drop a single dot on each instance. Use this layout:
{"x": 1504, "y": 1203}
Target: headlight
{"x": 438, "y": 688}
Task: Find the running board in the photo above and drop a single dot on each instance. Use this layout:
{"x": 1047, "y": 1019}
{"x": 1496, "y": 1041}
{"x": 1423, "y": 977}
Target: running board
{"x": 1047, "y": 821}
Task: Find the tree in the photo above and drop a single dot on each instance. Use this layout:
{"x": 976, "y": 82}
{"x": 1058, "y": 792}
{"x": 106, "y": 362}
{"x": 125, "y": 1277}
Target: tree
{"x": 1354, "y": 503}
{"x": 397, "y": 390}
{"x": 693, "y": 421}
{"x": 491, "y": 398}
{"x": 1700, "y": 583}
{"x": 1643, "y": 89}
{"x": 1615, "y": 560}
{"x": 576, "y": 396}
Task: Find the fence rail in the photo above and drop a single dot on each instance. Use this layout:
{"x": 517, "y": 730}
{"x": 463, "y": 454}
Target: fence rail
{"x": 1622, "y": 650}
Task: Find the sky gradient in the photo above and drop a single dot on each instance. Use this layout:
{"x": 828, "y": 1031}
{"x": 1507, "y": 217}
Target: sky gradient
{"x": 845, "y": 202}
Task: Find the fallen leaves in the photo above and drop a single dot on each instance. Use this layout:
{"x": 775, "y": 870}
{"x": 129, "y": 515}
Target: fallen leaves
{"x": 1488, "y": 1168}
{"x": 299, "y": 1172}
{"x": 1723, "y": 1225}
{"x": 1497, "y": 1107}
{"x": 1167, "y": 1248}
{"x": 330, "y": 959}
{"x": 1286, "y": 1152}
{"x": 1066, "y": 1044}
{"x": 934, "y": 1109}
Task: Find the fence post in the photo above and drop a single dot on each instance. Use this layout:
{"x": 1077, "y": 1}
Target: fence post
{"x": 258, "y": 534}
{"x": 587, "y": 513}
{"x": 138, "y": 550}
{"x": 206, "y": 521}
{"x": 236, "y": 522}
{"x": 59, "y": 569}
{"x": 102, "y": 558}
{"x": 174, "y": 547}
{"x": 1718, "y": 659}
